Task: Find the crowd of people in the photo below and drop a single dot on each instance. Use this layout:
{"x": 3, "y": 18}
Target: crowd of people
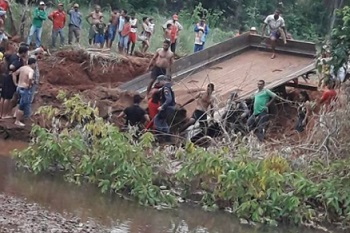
{"x": 20, "y": 78}
{"x": 161, "y": 98}
{"x": 120, "y": 25}
{"x": 21, "y": 72}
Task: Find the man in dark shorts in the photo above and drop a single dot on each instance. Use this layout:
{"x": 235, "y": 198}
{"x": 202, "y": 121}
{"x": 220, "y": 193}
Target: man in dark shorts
{"x": 277, "y": 29}
{"x": 134, "y": 115}
{"x": 14, "y": 62}
{"x": 161, "y": 63}
{"x": 204, "y": 103}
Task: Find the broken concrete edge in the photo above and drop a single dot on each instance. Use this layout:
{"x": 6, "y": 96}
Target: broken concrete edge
{"x": 218, "y": 115}
{"x": 219, "y": 52}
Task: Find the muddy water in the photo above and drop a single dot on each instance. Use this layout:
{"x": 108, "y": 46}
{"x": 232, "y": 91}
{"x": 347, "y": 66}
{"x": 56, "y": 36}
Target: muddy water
{"x": 121, "y": 215}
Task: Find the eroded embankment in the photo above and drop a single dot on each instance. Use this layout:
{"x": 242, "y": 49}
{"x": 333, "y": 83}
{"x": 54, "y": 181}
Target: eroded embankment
{"x": 93, "y": 74}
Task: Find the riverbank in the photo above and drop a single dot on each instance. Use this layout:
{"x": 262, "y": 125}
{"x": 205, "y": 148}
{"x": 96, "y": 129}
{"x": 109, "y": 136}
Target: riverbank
{"x": 86, "y": 203}
{"x": 255, "y": 182}
{"x": 17, "y": 215}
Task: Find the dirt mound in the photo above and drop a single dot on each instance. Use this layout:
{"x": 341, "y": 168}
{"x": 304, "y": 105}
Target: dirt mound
{"x": 76, "y": 67}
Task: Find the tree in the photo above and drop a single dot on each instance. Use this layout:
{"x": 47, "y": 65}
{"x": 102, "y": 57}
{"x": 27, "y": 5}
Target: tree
{"x": 340, "y": 38}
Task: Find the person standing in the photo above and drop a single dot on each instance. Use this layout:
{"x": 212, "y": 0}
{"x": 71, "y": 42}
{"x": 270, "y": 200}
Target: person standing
{"x": 58, "y": 18}
{"x": 24, "y": 90}
{"x": 124, "y": 35}
{"x": 14, "y": 61}
{"x": 96, "y": 17}
{"x": 263, "y": 98}
{"x": 120, "y": 29}
{"x": 133, "y": 33}
{"x": 167, "y": 106}
{"x": 39, "y": 16}
{"x": 36, "y": 54}
{"x": 201, "y": 30}
{"x": 176, "y": 27}
{"x": 145, "y": 35}
{"x": 100, "y": 30}
{"x": 161, "y": 63}
{"x": 112, "y": 27}
{"x": 277, "y": 29}
{"x": 74, "y": 26}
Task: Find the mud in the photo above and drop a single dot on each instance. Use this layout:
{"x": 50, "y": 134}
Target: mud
{"x": 96, "y": 77}
{"x": 17, "y": 215}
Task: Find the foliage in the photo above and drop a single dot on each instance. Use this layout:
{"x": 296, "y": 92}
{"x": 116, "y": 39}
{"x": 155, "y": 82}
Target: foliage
{"x": 340, "y": 39}
{"x": 269, "y": 191}
{"x": 266, "y": 191}
{"x": 89, "y": 149}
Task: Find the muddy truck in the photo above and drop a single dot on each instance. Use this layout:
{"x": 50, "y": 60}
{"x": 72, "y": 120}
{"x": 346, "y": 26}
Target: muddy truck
{"x": 235, "y": 66}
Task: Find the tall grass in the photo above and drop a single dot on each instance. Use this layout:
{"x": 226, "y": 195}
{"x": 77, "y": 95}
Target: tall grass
{"x": 185, "y": 43}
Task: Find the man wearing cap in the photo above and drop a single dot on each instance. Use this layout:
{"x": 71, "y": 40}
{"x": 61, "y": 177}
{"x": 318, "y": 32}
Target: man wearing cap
{"x": 74, "y": 26}
{"x": 161, "y": 63}
{"x": 201, "y": 30}
{"x": 252, "y": 31}
{"x": 96, "y": 18}
{"x": 277, "y": 29}
{"x": 39, "y": 16}
{"x": 175, "y": 28}
{"x": 167, "y": 106}
{"x": 58, "y": 18}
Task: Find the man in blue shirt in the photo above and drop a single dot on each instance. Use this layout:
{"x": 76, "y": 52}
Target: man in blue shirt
{"x": 74, "y": 23}
{"x": 167, "y": 106}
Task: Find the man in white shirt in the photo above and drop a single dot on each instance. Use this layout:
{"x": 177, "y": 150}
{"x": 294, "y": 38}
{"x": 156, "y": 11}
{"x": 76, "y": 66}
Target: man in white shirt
{"x": 277, "y": 29}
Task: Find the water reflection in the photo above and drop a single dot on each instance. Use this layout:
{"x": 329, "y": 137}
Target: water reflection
{"x": 122, "y": 215}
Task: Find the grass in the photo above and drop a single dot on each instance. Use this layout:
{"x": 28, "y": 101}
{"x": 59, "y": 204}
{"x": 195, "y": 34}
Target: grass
{"x": 185, "y": 43}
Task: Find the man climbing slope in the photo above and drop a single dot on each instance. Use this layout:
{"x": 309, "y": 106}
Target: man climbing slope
{"x": 277, "y": 29}
{"x": 161, "y": 63}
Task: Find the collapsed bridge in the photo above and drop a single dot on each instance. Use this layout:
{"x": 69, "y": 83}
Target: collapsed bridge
{"x": 236, "y": 65}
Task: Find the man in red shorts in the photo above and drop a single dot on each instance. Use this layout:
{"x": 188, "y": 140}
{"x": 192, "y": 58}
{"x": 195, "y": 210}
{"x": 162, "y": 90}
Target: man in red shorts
{"x": 132, "y": 34}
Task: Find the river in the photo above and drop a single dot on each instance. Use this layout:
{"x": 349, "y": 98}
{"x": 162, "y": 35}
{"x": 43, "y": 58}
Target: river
{"x": 120, "y": 215}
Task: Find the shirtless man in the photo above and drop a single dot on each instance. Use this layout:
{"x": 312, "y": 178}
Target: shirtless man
{"x": 277, "y": 30}
{"x": 163, "y": 59}
{"x": 204, "y": 103}
{"x": 112, "y": 27}
{"x": 24, "y": 89}
{"x": 96, "y": 17}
